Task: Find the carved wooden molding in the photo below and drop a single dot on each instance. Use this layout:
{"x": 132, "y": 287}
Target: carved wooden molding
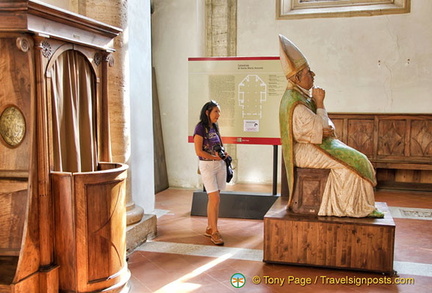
{"x": 46, "y": 49}
{"x": 421, "y": 138}
{"x": 97, "y": 59}
{"x": 24, "y": 43}
{"x": 46, "y": 20}
{"x": 110, "y": 59}
{"x": 391, "y": 134}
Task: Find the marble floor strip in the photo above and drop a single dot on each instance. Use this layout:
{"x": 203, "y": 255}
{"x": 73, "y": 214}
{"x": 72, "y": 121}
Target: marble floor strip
{"x": 405, "y": 268}
{"x": 202, "y": 250}
{"x": 411, "y": 213}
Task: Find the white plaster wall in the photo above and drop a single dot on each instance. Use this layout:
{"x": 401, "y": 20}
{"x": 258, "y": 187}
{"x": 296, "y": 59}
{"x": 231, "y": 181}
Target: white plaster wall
{"x": 362, "y": 62}
{"x": 366, "y": 64}
{"x": 177, "y": 32}
{"x": 140, "y": 76}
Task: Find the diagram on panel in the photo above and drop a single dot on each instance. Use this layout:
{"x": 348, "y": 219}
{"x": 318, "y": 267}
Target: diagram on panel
{"x": 252, "y": 92}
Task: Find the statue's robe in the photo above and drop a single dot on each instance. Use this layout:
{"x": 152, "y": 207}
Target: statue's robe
{"x": 349, "y": 188}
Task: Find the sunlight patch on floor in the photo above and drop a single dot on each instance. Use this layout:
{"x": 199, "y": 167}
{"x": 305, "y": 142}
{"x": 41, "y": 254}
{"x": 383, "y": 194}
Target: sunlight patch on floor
{"x": 181, "y": 284}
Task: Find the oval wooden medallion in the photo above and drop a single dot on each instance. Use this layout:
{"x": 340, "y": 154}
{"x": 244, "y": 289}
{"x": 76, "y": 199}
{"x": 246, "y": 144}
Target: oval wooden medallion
{"x": 12, "y": 126}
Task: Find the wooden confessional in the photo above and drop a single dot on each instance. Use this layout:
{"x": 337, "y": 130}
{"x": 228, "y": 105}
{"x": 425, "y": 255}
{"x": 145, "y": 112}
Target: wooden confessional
{"x": 62, "y": 200}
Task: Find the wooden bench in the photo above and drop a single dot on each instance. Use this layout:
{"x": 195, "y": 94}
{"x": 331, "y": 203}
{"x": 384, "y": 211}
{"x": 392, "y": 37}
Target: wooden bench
{"x": 398, "y": 145}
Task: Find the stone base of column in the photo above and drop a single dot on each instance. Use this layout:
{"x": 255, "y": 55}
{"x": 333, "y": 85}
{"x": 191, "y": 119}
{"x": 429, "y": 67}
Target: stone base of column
{"x": 138, "y": 233}
{"x": 134, "y": 213}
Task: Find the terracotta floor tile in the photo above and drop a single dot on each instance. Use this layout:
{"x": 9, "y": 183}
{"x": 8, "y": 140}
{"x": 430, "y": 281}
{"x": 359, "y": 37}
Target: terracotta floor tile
{"x": 136, "y": 285}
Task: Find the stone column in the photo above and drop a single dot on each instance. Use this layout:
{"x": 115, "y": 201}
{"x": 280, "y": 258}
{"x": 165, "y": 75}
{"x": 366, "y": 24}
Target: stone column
{"x": 115, "y": 13}
{"x": 221, "y": 28}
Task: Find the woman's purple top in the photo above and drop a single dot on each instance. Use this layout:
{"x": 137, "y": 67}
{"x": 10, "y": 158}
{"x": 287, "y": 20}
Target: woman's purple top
{"x": 211, "y": 138}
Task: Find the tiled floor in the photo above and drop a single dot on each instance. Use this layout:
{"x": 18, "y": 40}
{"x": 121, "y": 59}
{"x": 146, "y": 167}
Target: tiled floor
{"x": 181, "y": 259}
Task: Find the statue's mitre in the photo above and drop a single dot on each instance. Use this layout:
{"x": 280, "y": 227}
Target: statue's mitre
{"x": 291, "y": 58}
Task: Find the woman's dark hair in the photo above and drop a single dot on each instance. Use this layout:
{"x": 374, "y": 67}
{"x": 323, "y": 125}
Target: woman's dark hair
{"x": 204, "y": 118}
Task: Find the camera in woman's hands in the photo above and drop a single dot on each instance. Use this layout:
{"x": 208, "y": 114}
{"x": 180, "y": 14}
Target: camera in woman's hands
{"x": 220, "y": 150}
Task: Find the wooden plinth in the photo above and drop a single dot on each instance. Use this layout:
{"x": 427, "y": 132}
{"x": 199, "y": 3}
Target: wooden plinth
{"x": 346, "y": 243}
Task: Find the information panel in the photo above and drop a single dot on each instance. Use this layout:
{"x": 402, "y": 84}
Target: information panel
{"x": 248, "y": 90}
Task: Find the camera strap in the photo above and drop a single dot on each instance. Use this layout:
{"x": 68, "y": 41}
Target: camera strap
{"x": 217, "y": 132}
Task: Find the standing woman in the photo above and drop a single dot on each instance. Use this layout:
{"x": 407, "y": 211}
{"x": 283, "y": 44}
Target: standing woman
{"x": 211, "y": 166}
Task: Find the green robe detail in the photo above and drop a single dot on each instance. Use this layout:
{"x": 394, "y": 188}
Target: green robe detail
{"x": 334, "y": 148}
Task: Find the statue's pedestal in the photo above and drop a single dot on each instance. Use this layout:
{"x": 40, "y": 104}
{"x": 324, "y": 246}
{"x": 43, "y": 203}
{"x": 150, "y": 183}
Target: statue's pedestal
{"x": 345, "y": 243}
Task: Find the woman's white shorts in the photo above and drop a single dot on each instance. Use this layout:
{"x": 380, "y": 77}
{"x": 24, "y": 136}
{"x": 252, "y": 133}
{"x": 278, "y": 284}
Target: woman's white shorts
{"x": 213, "y": 174}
